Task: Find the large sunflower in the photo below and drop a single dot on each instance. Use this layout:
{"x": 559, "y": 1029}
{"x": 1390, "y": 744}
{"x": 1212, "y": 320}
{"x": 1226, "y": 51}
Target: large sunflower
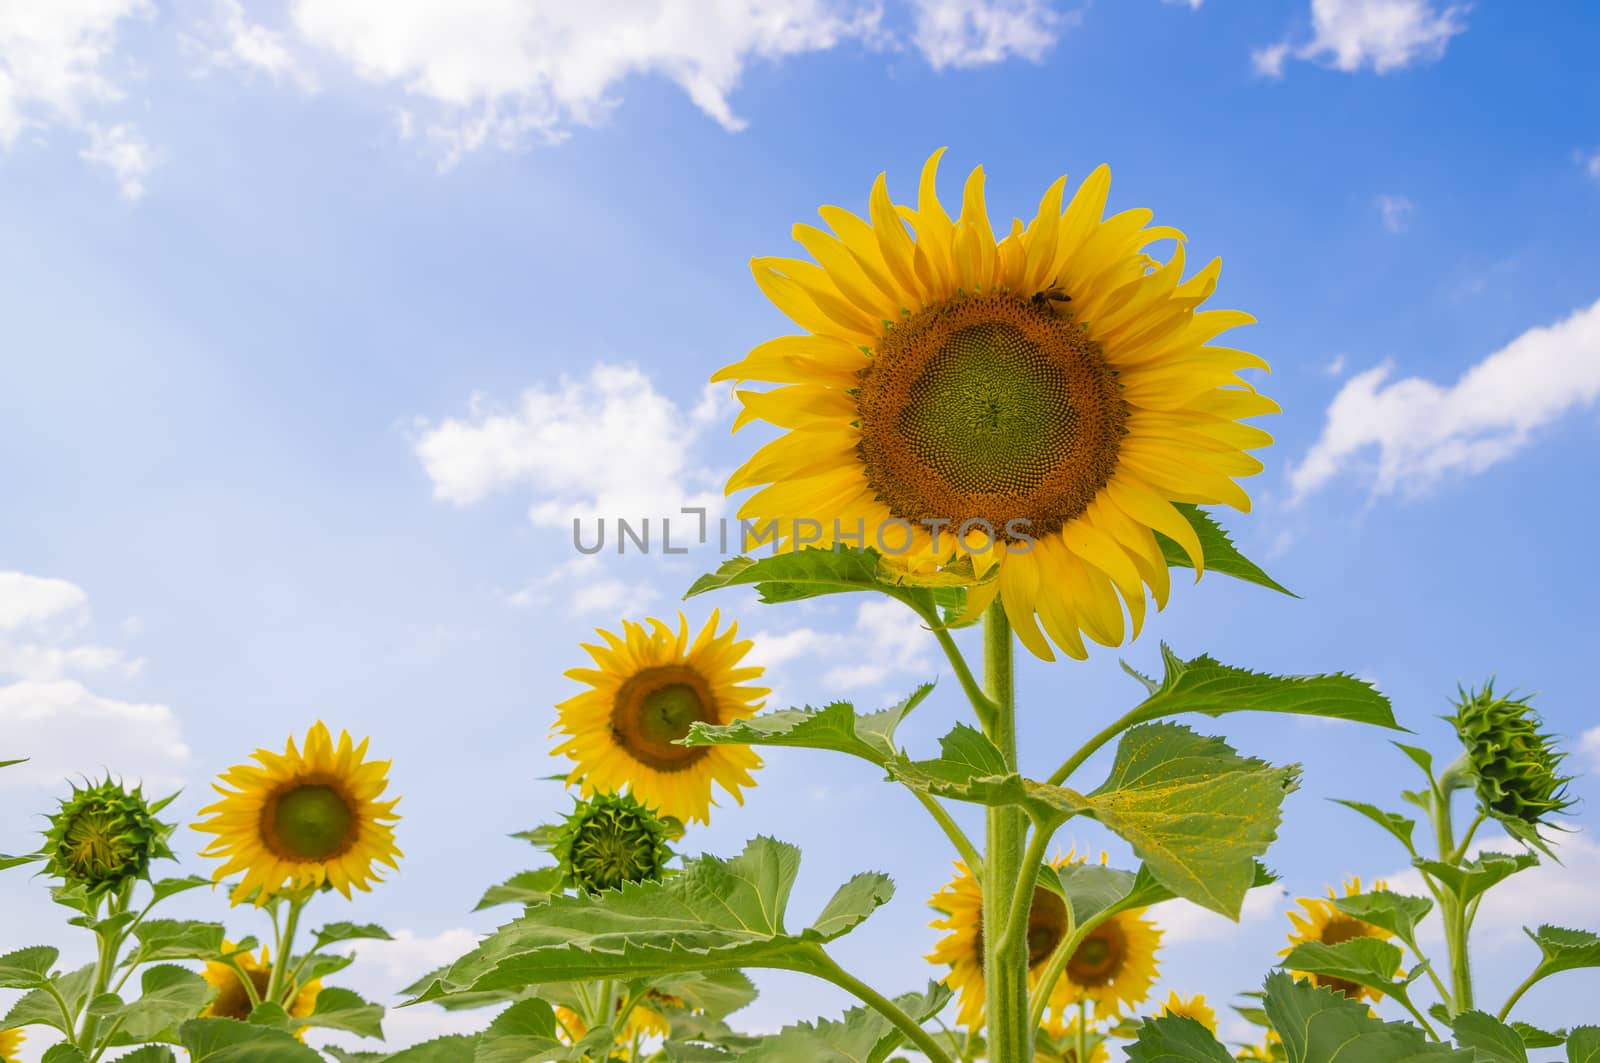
{"x": 233, "y": 1000}
{"x": 1039, "y": 402}
{"x": 297, "y": 820}
{"x": 648, "y": 687}
{"x": 1324, "y": 922}
{"x": 1115, "y": 966}
{"x": 10, "y": 1046}
{"x": 961, "y": 903}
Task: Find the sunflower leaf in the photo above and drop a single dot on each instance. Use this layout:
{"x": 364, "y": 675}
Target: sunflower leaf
{"x": 835, "y": 727}
{"x": 1474, "y": 877}
{"x": 27, "y": 968}
{"x": 336, "y": 932}
{"x": 1204, "y": 685}
{"x": 1533, "y": 1037}
{"x": 525, "y": 887}
{"x": 340, "y": 1009}
{"x": 1395, "y": 912}
{"x": 1366, "y": 961}
{"x": 1217, "y": 548}
{"x": 1583, "y": 1045}
{"x": 17, "y": 861}
{"x": 1176, "y": 1039}
{"x": 1564, "y": 950}
{"x": 862, "y": 1036}
{"x": 526, "y": 1032}
{"x": 1494, "y": 1041}
{"x": 1393, "y": 822}
{"x": 451, "y": 1048}
{"x": 169, "y": 995}
{"x": 232, "y": 1041}
{"x": 1324, "y": 1026}
{"x": 811, "y": 572}
{"x": 62, "y": 1053}
{"x": 176, "y": 939}
{"x": 171, "y": 887}
{"x": 715, "y": 914}
{"x": 1195, "y": 812}
{"x": 713, "y": 993}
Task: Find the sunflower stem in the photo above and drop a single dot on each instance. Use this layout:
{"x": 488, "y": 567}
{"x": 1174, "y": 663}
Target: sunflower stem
{"x": 825, "y": 967}
{"x": 1452, "y": 911}
{"x": 1083, "y": 1031}
{"x": 1005, "y": 957}
{"x": 953, "y": 831}
{"x": 981, "y": 705}
{"x": 280, "y": 962}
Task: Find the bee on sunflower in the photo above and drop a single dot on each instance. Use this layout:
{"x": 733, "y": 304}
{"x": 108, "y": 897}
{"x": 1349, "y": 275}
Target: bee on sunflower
{"x": 1040, "y": 403}
{"x": 298, "y": 820}
{"x": 650, "y": 684}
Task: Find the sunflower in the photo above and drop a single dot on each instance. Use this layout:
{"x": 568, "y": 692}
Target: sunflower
{"x": 1040, "y": 402}
{"x": 1324, "y": 922}
{"x": 233, "y": 1000}
{"x": 10, "y": 1046}
{"x": 648, "y": 687}
{"x": 1269, "y": 1050}
{"x": 1194, "y": 1007}
{"x": 1060, "y": 1044}
{"x": 646, "y": 1019}
{"x": 303, "y": 819}
{"x": 961, "y": 902}
{"x": 1115, "y": 966}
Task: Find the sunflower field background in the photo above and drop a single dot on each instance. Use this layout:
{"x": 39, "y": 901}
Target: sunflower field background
{"x": 336, "y": 332}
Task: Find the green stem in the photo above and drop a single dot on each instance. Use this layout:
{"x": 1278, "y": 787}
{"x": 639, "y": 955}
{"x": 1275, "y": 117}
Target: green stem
{"x": 1005, "y": 959}
{"x": 1083, "y": 1031}
{"x": 106, "y": 947}
{"x": 1050, "y": 974}
{"x": 285, "y": 951}
{"x": 1516, "y": 994}
{"x": 1460, "y": 851}
{"x": 1027, "y": 884}
{"x": 1452, "y": 910}
{"x": 1092, "y": 746}
{"x": 953, "y": 831}
{"x": 980, "y": 701}
{"x": 826, "y": 968}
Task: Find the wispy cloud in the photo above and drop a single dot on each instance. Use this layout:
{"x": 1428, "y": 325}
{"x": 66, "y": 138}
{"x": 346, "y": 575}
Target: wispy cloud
{"x": 964, "y": 33}
{"x": 1383, "y": 35}
{"x": 1395, "y": 212}
{"x": 1422, "y": 430}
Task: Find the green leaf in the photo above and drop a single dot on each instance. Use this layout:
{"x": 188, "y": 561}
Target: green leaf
{"x": 149, "y": 1054}
{"x": 525, "y": 887}
{"x": 808, "y": 573}
{"x": 862, "y": 1036}
{"x": 322, "y": 964}
{"x": 271, "y": 1013}
{"x": 526, "y": 1033}
{"x": 1495, "y": 1041}
{"x": 1419, "y": 756}
{"x": 334, "y": 933}
{"x": 835, "y": 727}
{"x": 1565, "y": 950}
{"x": 1395, "y": 912}
{"x": 169, "y": 995}
{"x": 17, "y": 861}
{"x": 1195, "y": 812}
{"x": 1324, "y": 1026}
{"x": 712, "y": 993}
{"x": 27, "y": 968}
{"x": 176, "y": 939}
{"x": 1533, "y": 1037}
{"x": 232, "y": 1041}
{"x": 340, "y": 1009}
{"x": 62, "y": 1053}
{"x": 715, "y": 914}
{"x": 1393, "y": 822}
{"x": 1583, "y": 1045}
{"x": 1217, "y": 549}
{"x": 1176, "y": 1039}
{"x": 1472, "y": 878}
{"x": 171, "y": 887}
{"x": 1365, "y": 961}
{"x": 1206, "y": 686}
{"x": 452, "y": 1048}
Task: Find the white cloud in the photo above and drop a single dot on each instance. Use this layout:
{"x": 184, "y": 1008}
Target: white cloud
{"x": 1590, "y": 163}
{"x": 1589, "y": 746}
{"x": 1335, "y": 366}
{"x": 881, "y": 645}
{"x": 1385, "y": 35}
{"x": 54, "y": 70}
{"x": 232, "y": 40}
{"x": 605, "y": 446}
{"x": 1183, "y": 923}
{"x": 120, "y": 150}
{"x": 1395, "y": 211}
{"x": 582, "y": 586}
{"x": 1192, "y": 5}
{"x": 64, "y": 728}
{"x": 1423, "y": 430}
{"x": 498, "y": 70}
{"x": 965, "y": 33}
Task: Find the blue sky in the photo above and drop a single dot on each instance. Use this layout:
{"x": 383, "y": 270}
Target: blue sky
{"x": 322, "y": 319}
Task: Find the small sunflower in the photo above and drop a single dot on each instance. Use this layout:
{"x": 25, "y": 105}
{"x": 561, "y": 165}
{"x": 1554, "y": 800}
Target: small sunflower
{"x": 648, "y": 687}
{"x": 1194, "y": 1007}
{"x": 961, "y": 902}
{"x": 104, "y": 836}
{"x": 1039, "y": 402}
{"x": 303, "y": 820}
{"x": 1115, "y": 966}
{"x": 1324, "y": 922}
{"x": 233, "y": 1001}
{"x": 11, "y": 1046}
{"x": 611, "y": 840}
{"x": 1515, "y": 765}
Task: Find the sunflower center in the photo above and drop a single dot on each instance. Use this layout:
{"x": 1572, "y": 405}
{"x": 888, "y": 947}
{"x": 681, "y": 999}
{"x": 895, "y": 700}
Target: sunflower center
{"x": 1100, "y": 958}
{"x": 232, "y": 1002}
{"x": 992, "y": 408}
{"x": 654, "y": 709}
{"x": 1047, "y": 925}
{"x": 90, "y": 845}
{"x": 309, "y": 821}
{"x": 1339, "y": 930}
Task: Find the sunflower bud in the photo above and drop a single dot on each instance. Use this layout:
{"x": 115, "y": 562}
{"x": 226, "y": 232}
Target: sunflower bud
{"x": 611, "y": 840}
{"x": 1516, "y": 767}
{"x": 103, "y": 837}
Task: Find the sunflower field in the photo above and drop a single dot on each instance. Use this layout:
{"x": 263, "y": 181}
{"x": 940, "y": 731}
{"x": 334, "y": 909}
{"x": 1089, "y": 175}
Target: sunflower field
{"x": 1014, "y": 438}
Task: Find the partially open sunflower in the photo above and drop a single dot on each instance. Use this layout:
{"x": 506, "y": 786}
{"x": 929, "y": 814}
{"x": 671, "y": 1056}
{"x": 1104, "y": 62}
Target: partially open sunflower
{"x": 648, "y": 687}
{"x": 1039, "y": 402}
{"x": 303, "y": 819}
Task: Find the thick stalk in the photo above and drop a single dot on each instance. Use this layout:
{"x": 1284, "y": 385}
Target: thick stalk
{"x": 824, "y": 966}
{"x": 1452, "y": 912}
{"x": 280, "y": 962}
{"x": 1005, "y": 955}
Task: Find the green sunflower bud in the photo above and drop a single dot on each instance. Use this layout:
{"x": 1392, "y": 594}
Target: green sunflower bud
{"x": 1516, "y": 767}
{"x": 104, "y": 837}
{"x": 611, "y": 840}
